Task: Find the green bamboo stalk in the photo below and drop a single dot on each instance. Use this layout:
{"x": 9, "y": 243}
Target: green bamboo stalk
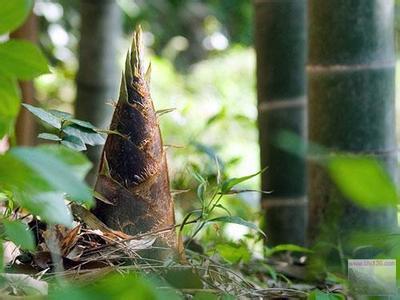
{"x": 280, "y": 33}
{"x": 351, "y": 106}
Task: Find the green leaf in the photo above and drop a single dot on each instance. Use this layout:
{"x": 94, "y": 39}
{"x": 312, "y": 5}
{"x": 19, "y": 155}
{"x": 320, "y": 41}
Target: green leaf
{"x": 209, "y": 151}
{"x": 49, "y": 206}
{"x": 227, "y": 297}
{"x": 205, "y": 296}
{"x": 59, "y": 175}
{"x": 183, "y": 278}
{"x": 9, "y": 105}
{"x": 228, "y": 184}
{"x": 236, "y": 220}
{"x": 234, "y": 253}
{"x": 164, "y": 111}
{"x": 73, "y": 143}
{"x": 33, "y": 192}
{"x": 221, "y": 115}
{"x": 271, "y": 271}
{"x": 44, "y": 115}
{"x": 9, "y": 97}
{"x": 201, "y": 191}
{"x": 220, "y": 206}
{"x": 364, "y": 181}
{"x": 88, "y": 136}
{"x": 62, "y": 115}
{"x": 77, "y": 135}
{"x": 319, "y": 295}
{"x": 70, "y": 119}
{"x": 287, "y": 247}
{"x": 17, "y": 176}
{"x": 78, "y": 162}
{"x": 292, "y": 143}
{"x": 21, "y": 59}
{"x": 13, "y": 13}
{"x": 6, "y": 126}
{"x": 82, "y": 123}
{"x": 117, "y": 286}
{"x": 49, "y": 137}
{"x": 199, "y": 178}
{"x": 20, "y": 234}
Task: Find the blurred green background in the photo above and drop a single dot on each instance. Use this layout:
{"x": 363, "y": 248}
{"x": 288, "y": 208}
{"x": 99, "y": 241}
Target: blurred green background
{"x": 215, "y": 111}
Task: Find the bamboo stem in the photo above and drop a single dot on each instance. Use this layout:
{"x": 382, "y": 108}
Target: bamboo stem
{"x": 351, "y": 108}
{"x": 280, "y": 34}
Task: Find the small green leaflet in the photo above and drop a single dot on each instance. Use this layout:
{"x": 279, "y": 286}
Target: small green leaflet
{"x": 319, "y": 295}
{"x": 82, "y": 123}
{"x": 19, "y": 233}
{"x": 220, "y": 206}
{"x": 62, "y": 115}
{"x": 87, "y": 135}
{"x": 44, "y": 115}
{"x": 49, "y": 137}
{"x": 201, "y": 191}
{"x": 228, "y": 184}
{"x": 287, "y": 247}
{"x": 164, "y": 111}
{"x": 199, "y": 178}
{"x": 77, "y": 133}
{"x": 73, "y": 143}
{"x": 218, "y": 116}
{"x": 234, "y": 253}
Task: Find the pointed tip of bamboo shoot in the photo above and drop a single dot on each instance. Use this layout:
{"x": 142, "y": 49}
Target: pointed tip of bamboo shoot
{"x": 137, "y": 53}
{"x": 138, "y": 28}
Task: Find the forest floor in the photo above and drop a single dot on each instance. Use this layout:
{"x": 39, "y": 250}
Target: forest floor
{"x": 90, "y": 252}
